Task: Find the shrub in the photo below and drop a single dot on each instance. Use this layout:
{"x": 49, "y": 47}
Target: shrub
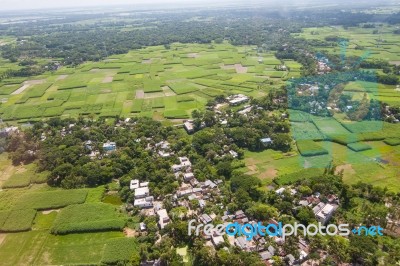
{"x": 359, "y": 146}
{"x": 310, "y": 148}
{"x": 119, "y": 251}
{"x": 392, "y": 141}
{"x": 19, "y": 220}
{"x": 51, "y": 199}
{"x": 89, "y": 217}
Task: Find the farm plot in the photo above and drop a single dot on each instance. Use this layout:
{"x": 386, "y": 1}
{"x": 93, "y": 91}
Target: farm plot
{"x": 310, "y": 148}
{"x": 51, "y": 199}
{"x": 89, "y": 217}
{"x": 119, "y": 251}
{"x": 18, "y": 220}
{"x": 198, "y": 71}
{"x": 329, "y": 126}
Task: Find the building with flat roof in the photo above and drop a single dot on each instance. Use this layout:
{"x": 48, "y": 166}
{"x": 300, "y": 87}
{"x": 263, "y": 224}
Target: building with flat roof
{"x": 141, "y": 192}
{"x": 163, "y": 218}
{"x": 134, "y": 184}
{"x": 323, "y": 212}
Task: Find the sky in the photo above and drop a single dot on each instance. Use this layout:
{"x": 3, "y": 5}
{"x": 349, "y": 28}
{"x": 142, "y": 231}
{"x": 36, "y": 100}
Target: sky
{"x": 46, "y": 4}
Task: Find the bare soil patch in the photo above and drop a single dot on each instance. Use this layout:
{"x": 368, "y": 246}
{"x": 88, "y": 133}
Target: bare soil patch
{"x": 108, "y": 80}
{"x": 2, "y": 237}
{"x": 240, "y": 69}
{"x": 147, "y": 61}
{"x": 61, "y": 77}
{"x": 347, "y": 169}
{"x": 269, "y": 174}
{"x": 397, "y": 63}
{"x": 50, "y": 211}
{"x": 106, "y": 91}
{"x": 151, "y": 95}
{"x": 27, "y": 84}
{"x": 139, "y": 94}
{"x": 167, "y": 91}
{"x": 193, "y": 55}
{"x": 130, "y": 232}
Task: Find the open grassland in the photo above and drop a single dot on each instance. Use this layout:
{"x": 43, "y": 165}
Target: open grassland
{"x": 153, "y": 82}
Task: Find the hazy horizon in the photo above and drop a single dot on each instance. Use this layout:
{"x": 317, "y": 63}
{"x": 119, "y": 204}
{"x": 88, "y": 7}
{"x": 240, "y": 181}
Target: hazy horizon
{"x": 10, "y": 5}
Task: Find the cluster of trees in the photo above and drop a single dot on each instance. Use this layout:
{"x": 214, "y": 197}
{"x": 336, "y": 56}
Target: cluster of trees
{"x": 79, "y": 42}
{"x": 266, "y": 119}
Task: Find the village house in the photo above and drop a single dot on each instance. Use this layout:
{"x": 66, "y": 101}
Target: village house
{"x": 237, "y": 99}
{"x": 189, "y": 126}
{"x": 266, "y": 142}
{"x": 146, "y": 202}
{"x": 323, "y": 212}
{"x": 141, "y": 192}
{"x": 184, "y": 164}
{"x": 109, "y": 146}
{"x": 163, "y": 218}
{"x": 134, "y": 184}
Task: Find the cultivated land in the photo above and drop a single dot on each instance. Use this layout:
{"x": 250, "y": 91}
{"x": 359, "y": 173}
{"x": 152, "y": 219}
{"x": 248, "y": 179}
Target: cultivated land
{"x": 381, "y": 45}
{"x": 42, "y": 225}
{"x": 154, "y": 82}
{"x": 35, "y": 244}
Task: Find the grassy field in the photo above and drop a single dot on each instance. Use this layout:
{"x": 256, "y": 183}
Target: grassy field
{"x": 147, "y": 82}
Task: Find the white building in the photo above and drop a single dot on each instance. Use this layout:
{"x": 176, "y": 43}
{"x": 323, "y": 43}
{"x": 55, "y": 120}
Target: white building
{"x": 184, "y": 163}
{"x": 237, "y": 99}
{"x": 141, "y": 192}
{"x": 189, "y": 126}
{"x": 134, "y": 184}
{"x": 323, "y": 212}
{"x": 144, "y": 202}
{"x": 188, "y": 176}
{"x": 163, "y": 218}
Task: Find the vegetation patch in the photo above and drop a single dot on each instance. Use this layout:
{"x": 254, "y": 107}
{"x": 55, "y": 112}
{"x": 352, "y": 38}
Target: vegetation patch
{"x": 359, "y": 146}
{"x": 18, "y": 220}
{"x": 310, "y": 148}
{"x": 120, "y": 251}
{"x": 90, "y": 217}
{"x": 176, "y": 114}
{"x": 182, "y": 87}
{"x": 392, "y": 141}
{"x": 51, "y": 199}
{"x": 302, "y": 174}
{"x": 18, "y": 180}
